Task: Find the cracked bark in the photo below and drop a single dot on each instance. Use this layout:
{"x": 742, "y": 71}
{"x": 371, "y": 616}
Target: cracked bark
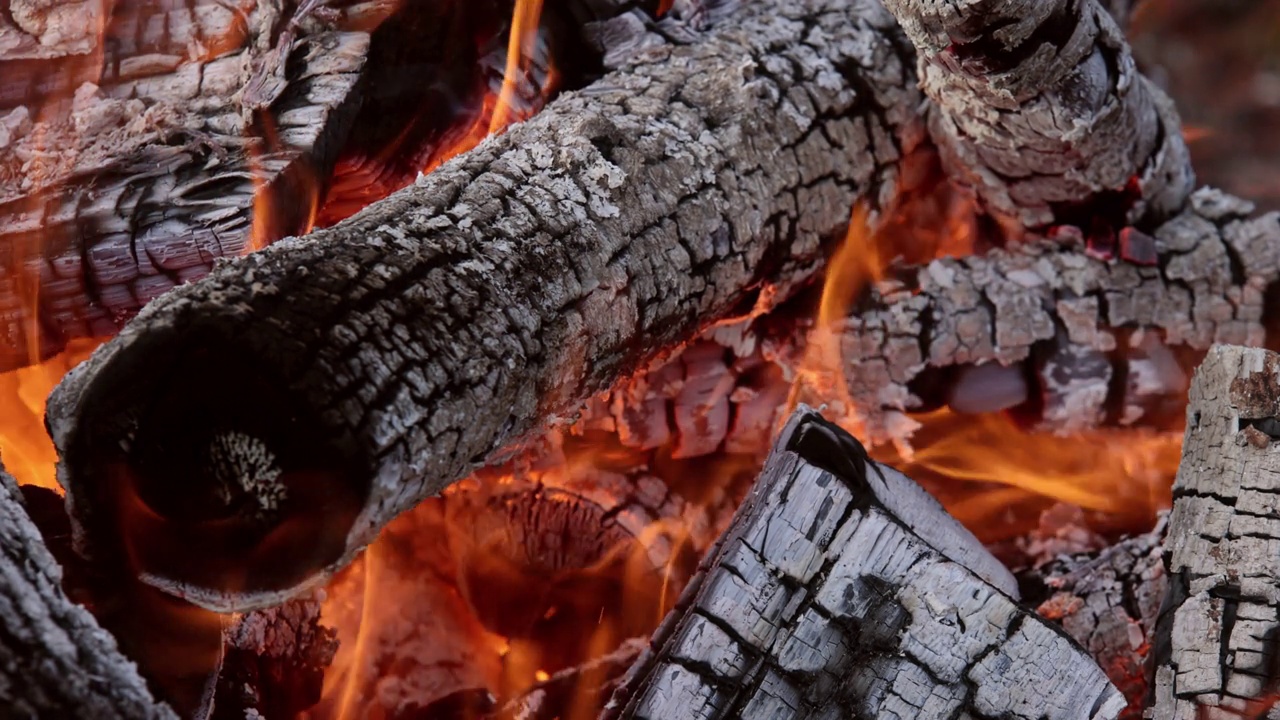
{"x": 1039, "y": 107}
{"x": 55, "y": 660}
{"x": 1081, "y": 321}
{"x": 842, "y": 588}
{"x": 131, "y": 160}
{"x": 1217, "y": 642}
{"x": 362, "y": 368}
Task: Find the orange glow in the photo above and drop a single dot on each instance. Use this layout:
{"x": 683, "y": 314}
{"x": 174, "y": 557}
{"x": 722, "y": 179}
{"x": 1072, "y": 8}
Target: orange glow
{"x": 1195, "y": 133}
{"x": 25, "y": 446}
{"x": 1123, "y": 473}
{"x": 1006, "y": 474}
{"x": 272, "y": 219}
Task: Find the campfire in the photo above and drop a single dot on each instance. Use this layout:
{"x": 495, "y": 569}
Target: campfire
{"x": 679, "y": 359}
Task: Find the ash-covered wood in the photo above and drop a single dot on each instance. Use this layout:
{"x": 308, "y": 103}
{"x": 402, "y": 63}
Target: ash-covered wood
{"x": 1108, "y": 602}
{"x": 842, "y": 589}
{"x": 55, "y": 660}
{"x": 1039, "y": 107}
{"x": 1217, "y": 642}
{"x": 1099, "y": 340}
{"x": 367, "y": 366}
{"x": 131, "y": 164}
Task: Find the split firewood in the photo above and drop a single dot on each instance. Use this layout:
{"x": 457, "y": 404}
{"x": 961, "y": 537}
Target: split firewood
{"x": 130, "y": 167}
{"x": 1217, "y": 642}
{"x": 347, "y": 375}
{"x": 1108, "y": 602}
{"x": 1039, "y": 107}
{"x": 841, "y": 588}
{"x": 55, "y": 660}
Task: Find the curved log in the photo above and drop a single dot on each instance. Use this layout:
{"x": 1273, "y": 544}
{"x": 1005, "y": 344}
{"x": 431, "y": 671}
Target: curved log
{"x": 55, "y": 660}
{"x": 249, "y": 433}
{"x": 1039, "y": 107}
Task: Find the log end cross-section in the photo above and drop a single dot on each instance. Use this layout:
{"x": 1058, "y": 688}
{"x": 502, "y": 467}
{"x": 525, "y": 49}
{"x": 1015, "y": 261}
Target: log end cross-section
{"x": 841, "y": 589}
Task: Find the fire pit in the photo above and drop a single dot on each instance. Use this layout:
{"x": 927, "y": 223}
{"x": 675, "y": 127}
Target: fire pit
{"x": 461, "y": 361}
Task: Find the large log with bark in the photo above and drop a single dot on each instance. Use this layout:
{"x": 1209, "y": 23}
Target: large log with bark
{"x": 55, "y": 660}
{"x": 342, "y": 377}
{"x": 1217, "y": 642}
{"x": 842, "y": 589}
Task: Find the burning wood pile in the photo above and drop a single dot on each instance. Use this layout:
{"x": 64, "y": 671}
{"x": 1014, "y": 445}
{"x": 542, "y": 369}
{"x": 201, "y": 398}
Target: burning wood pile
{"x": 460, "y": 361}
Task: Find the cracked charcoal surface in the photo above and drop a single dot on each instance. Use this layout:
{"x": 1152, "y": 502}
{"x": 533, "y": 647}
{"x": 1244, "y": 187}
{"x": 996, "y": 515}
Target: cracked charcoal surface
{"x": 821, "y": 601}
{"x": 1039, "y": 107}
{"x": 461, "y": 313}
{"x": 55, "y": 660}
{"x": 127, "y": 165}
{"x": 1217, "y": 642}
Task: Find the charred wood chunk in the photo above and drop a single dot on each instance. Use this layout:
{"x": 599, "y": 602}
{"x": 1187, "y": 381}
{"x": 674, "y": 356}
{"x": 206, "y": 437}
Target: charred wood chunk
{"x": 842, "y": 589}
{"x": 368, "y": 365}
{"x": 1217, "y": 643}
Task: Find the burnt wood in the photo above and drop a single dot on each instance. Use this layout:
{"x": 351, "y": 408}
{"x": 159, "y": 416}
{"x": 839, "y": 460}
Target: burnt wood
{"x": 55, "y": 659}
{"x": 1217, "y": 641}
{"x": 842, "y": 589}
{"x": 340, "y": 378}
{"x": 1038, "y": 106}
{"x": 132, "y": 157}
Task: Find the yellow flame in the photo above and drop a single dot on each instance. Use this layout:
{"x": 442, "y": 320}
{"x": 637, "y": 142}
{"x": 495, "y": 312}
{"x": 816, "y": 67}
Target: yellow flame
{"x": 520, "y": 48}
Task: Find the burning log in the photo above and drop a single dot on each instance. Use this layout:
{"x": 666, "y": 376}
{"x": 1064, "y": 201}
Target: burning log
{"x": 842, "y": 587}
{"x": 1040, "y": 108}
{"x": 1217, "y": 642}
{"x": 55, "y": 660}
{"x": 134, "y": 160}
{"x": 347, "y": 375}
{"x": 1083, "y": 339}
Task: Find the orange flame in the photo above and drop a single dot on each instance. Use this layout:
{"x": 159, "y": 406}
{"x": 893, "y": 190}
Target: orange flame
{"x": 1007, "y": 473}
{"x": 520, "y": 49}
{"x": 26, "y": 448}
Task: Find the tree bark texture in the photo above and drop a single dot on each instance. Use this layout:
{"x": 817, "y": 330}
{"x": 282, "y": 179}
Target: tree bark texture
{"x": 55, "y": 660}
{"x": 1217, "y": 642}
{"x": 1040, "y": 108}
{"x": 345, "y": 376}
{"x": 842, "y": 589}
{"x": 134, "y": 149}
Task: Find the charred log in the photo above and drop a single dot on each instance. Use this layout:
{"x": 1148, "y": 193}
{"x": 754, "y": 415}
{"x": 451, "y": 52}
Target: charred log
{"x": 131, "y": 165}
{"x": 1217, "y": 642}
{"x": 841, "y": 588}
{"x": 1089, "y": 339}
{"x": 55, "y": 660}
{"x": 345, "y": 376}
{"x": 1039, "y": 107}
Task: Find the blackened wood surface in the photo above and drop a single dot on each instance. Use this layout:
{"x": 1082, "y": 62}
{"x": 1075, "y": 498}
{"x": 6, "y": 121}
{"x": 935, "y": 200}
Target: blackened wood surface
{"x": 1038, "y": 105}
